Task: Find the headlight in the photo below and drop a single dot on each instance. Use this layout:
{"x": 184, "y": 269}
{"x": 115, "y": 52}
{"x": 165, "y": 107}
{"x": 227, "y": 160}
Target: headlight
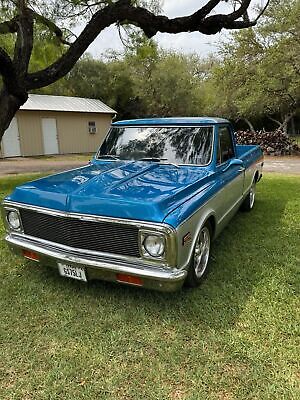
{"x": 13, "y": 220}
{"x": 154, "y": 245}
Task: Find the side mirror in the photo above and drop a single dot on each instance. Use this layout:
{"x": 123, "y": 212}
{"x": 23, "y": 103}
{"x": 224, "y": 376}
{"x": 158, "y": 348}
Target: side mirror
{"x": 234, "y": 162}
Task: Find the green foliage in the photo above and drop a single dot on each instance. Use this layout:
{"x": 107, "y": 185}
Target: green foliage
{"x": 46, "y": 48}
{"x": 45, "y": 51}
{"x": 145, "y": 82}
{"x": 7, "y": 43}
{"x": 88, "y": 79}
{"x": 259, "y": 72}
{"x": 256, "y": 74}
{"x": 170, "y": 88}
{"x": 122, "y": 94}
{"x": 66, "y": 13}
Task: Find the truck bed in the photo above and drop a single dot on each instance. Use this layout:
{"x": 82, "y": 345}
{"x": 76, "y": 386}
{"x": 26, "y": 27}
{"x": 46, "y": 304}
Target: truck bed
{"x": 249, "y": 153}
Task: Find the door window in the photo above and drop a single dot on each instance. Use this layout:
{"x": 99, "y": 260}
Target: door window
{"x": 225, "y": 148}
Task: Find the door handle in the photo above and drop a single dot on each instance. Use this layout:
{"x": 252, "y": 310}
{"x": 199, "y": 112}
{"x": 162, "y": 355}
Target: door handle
{"x": 242, "y": 169}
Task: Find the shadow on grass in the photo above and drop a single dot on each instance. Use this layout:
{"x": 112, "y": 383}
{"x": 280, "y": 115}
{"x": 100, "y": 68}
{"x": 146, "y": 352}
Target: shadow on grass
{"x": 242, "y": 255}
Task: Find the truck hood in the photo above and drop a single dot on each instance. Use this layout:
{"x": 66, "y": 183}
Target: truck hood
{"x": 122, "y": 189}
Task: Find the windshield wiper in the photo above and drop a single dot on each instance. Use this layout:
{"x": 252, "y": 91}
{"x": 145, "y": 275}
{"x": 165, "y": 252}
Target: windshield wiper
{"x": 108, "y": 157}
{"x": 156, "y": 159}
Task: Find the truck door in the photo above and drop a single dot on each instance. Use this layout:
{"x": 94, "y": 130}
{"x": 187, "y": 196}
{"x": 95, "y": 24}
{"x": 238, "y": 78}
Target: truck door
{"x": 231, "y": 176}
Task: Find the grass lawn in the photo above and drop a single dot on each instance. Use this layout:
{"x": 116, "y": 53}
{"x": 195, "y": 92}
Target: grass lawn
{"x": 235, "y": 337}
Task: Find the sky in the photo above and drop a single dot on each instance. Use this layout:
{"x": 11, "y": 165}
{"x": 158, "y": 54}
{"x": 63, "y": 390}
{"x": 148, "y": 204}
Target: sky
{"x": 184, "y": 42}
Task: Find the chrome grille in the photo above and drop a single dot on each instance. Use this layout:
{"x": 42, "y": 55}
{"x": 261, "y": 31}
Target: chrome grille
{"x": 102, "y": 236}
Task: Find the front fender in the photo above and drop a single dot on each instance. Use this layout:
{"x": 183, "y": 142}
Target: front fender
{"x": 191, "y": 228}
{"x": 189, "y": 218}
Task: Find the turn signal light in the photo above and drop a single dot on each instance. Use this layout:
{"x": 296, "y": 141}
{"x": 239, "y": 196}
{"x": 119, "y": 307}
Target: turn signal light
{"x": 132, "y": 280}
{"x": 31, "y": 255}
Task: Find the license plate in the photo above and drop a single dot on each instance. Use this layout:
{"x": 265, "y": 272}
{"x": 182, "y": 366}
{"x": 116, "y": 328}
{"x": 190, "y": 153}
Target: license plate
{"x": 70, "y": 271}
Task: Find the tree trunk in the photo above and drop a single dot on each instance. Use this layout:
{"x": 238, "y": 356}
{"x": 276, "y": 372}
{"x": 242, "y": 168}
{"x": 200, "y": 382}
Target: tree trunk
{"x": 293, "y": 128}
{"x": 287, "y": 118}
{"x": 9, "y": 105}
{"x": 285, "y": 126}
{"x": 279, "y": 123}
{"x": 251, "y": 127}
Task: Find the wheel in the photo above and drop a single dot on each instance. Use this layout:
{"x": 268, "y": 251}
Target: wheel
{"x": 248, "y": 203}
{"x": 198, "y": 265}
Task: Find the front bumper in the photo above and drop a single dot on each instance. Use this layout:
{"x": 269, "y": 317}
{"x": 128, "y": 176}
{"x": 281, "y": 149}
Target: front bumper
{"x": 96, "y": 267}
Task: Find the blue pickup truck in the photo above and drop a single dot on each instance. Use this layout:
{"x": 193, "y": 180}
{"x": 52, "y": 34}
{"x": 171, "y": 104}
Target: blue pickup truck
{"x": 145, "y": 210}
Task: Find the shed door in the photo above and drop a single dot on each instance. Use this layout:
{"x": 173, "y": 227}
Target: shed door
{"x": 50, "y": 138}
{"x": 11, "y": 140}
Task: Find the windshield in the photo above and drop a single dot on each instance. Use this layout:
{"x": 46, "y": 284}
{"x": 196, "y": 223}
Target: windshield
{"x": 178, "y": 145}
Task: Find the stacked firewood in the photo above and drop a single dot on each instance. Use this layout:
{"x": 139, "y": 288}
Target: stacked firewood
{"x": 275, "y": 143}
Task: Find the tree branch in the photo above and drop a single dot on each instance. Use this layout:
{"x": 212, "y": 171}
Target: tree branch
{"x": 10, "y": 26}
{"x": 8, "y": 73}
{"x": 239, "y": 12}
{"x": 274, "y": 120}
{"x": 262, "y": 11}
{"x": 123, "y": 11}
{"x": 24, "y": 43}
{"x": 6, "y": 67}
{"x": 51, "y": 26}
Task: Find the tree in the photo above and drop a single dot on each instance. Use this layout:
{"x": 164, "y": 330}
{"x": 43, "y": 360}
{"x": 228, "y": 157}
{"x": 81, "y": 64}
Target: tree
{"x": 88, "y": 78}
{"x": 25, "y": 15}
{"x": 143, "y": 82}
{"x": 166, "y": 84}
{"x": 259, "y": 74}
{"x": 279, "y": 70}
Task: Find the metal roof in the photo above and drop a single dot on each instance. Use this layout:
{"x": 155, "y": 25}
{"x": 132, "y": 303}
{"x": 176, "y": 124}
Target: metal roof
{"x": 173, "y": 121}
{"x": 41, "y": 102}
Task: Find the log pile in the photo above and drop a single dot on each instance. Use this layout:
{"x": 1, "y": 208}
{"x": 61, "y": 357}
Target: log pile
{"x": 275, "y": 143}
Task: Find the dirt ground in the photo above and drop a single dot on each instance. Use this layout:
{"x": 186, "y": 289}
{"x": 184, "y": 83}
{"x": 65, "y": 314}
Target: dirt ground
{"x": 283, "y": 165}
{"x": 22, "y": 165}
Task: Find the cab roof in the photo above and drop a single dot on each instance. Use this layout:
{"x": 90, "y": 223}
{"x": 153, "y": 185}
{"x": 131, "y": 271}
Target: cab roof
{"x": 172, "y": 121}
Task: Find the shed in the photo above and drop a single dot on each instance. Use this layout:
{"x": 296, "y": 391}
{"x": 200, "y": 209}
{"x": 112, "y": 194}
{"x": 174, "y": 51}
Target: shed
{"x": 56, "y": 125}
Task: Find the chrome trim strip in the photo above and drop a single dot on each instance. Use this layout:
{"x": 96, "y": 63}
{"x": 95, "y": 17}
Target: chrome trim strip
{"x": 87, "y": 253}
{"x": 5, "y": 212}
{"x": 146, "y": 271}
{"x": 143, "y": 251}
{"x": 161, "y": 227}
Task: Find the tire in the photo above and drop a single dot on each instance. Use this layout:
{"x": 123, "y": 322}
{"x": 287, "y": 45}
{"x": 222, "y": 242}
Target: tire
{"x": 249, "y": 201}
{"x": 199, "y": 263}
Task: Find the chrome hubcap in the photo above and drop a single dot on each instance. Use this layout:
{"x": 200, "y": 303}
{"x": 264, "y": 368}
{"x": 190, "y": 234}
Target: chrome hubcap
{"x": 252, "y": 195}
{"x": 201, "y": 253}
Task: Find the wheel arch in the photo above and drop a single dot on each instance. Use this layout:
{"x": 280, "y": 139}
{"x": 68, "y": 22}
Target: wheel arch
{"x": 256, "y": 176}
{"x": 192, "y": 227}
{"x": 213, "y": 223}
{"x": 193, "y": 279}
{"x": 209, "y": 217}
